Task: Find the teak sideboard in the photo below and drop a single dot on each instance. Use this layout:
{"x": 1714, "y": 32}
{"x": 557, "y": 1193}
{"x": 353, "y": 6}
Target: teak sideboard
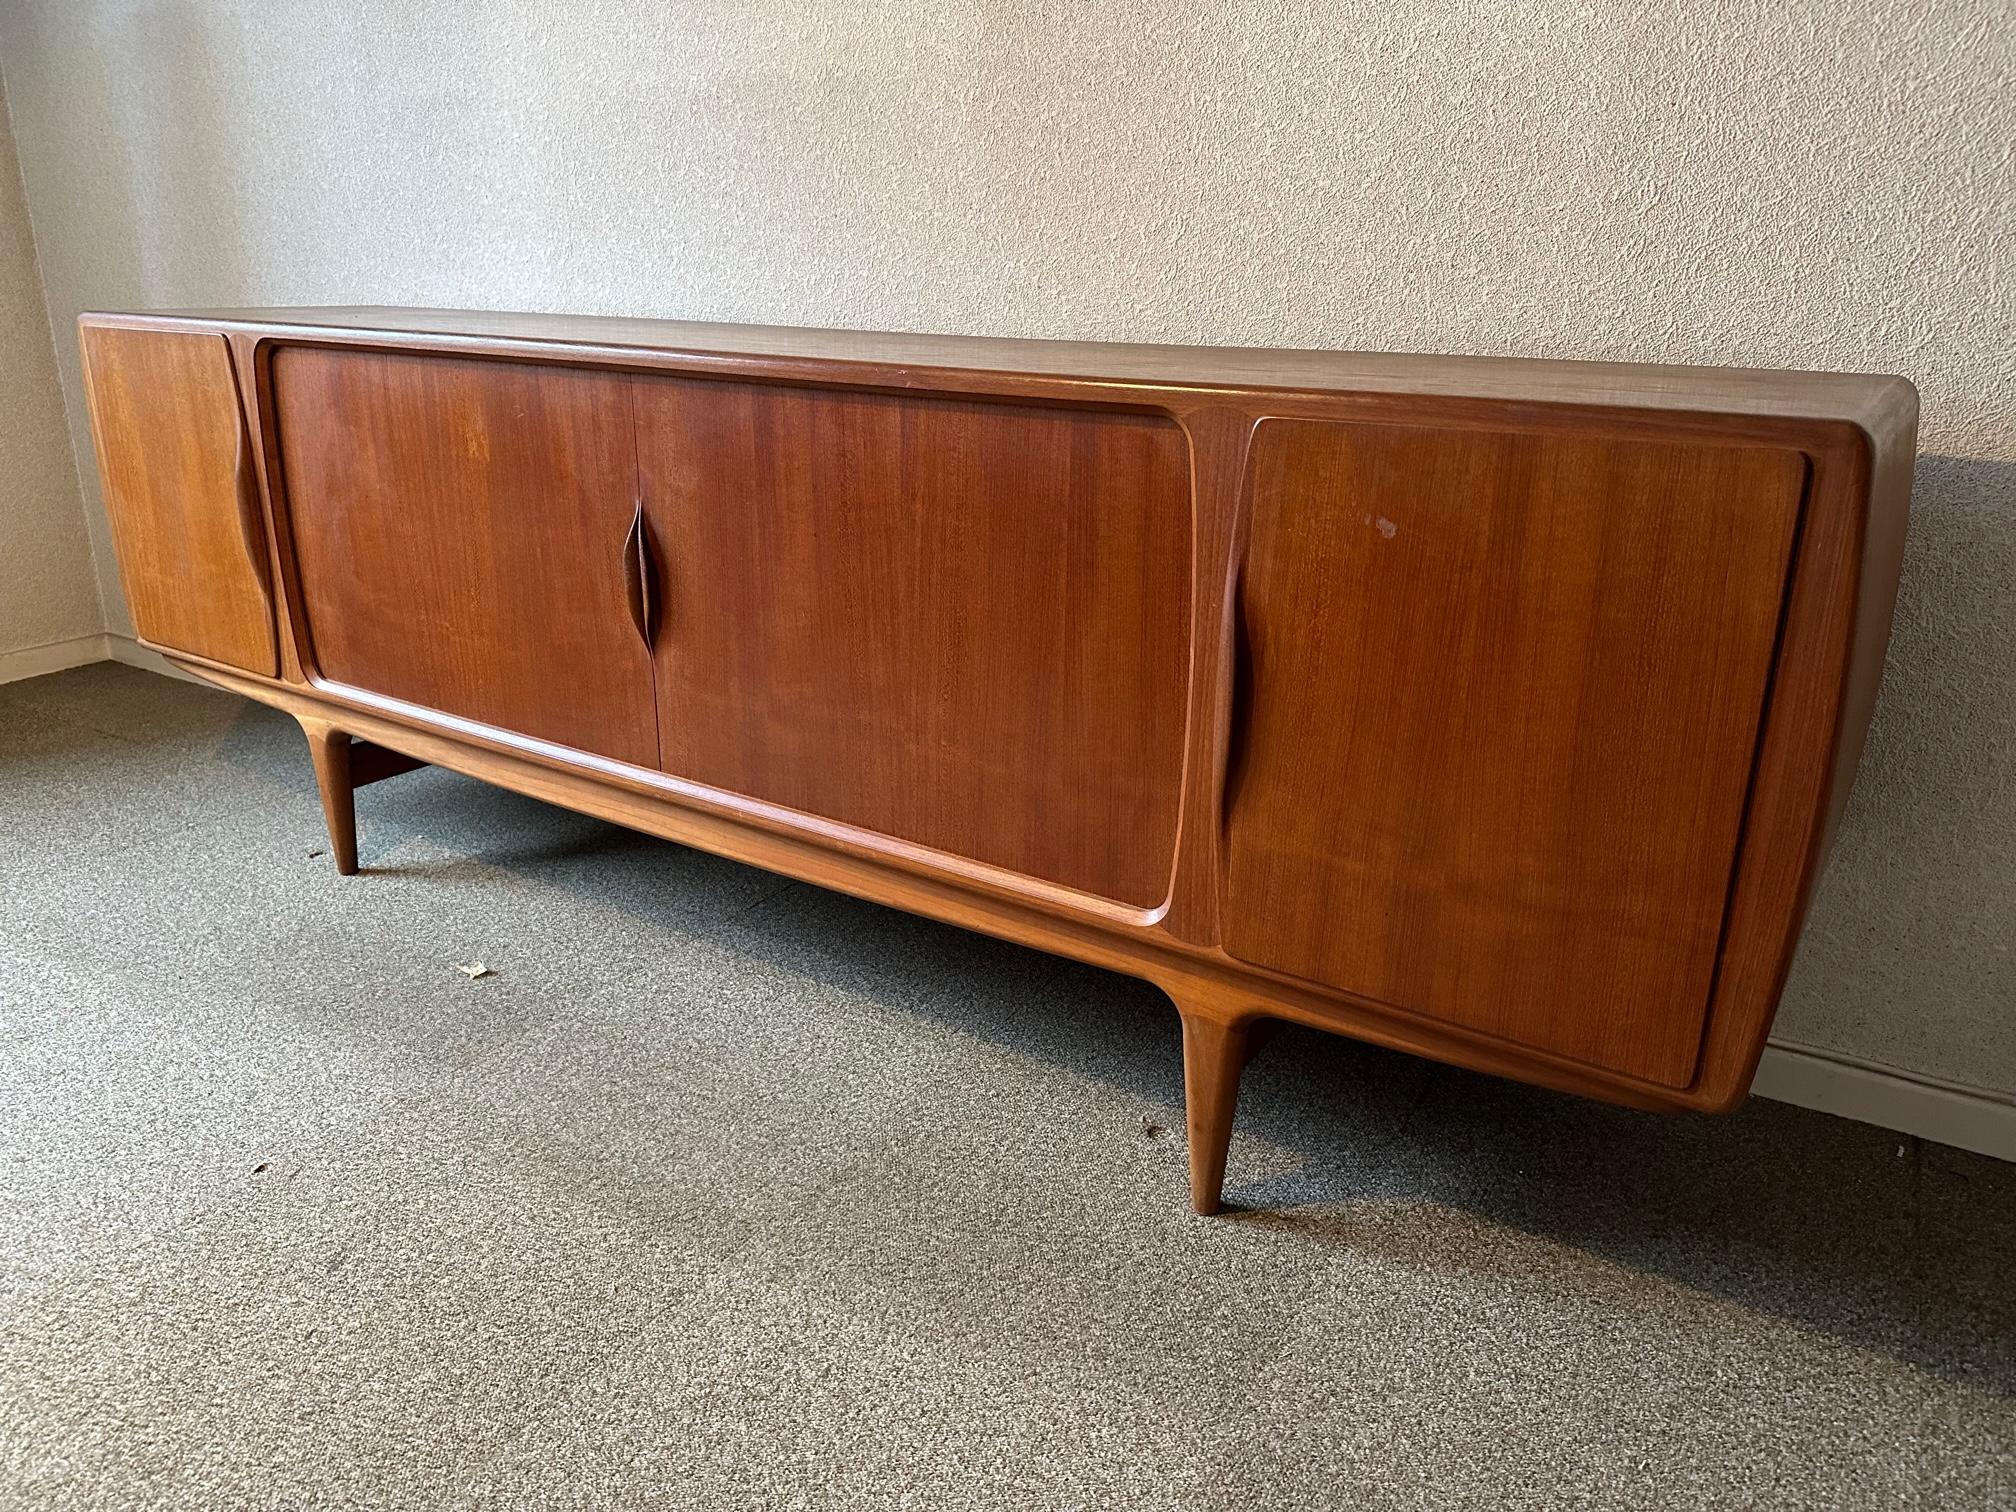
{"x": 1494, "y": 710}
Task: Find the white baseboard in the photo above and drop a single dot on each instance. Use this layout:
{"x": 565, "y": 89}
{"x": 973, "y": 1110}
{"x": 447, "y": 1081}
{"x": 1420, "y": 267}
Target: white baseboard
{"x": 1973, "y": 1118}
{"x": 82, "y": 651}
{"x": 57, "y": 656}
{"x": 129, "y": 652}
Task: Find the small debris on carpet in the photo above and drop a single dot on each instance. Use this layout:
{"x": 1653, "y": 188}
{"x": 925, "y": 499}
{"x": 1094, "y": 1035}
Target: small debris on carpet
{"x": 475, "y": 969}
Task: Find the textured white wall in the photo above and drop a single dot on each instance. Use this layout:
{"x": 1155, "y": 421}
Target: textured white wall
{"x": 48, "y": 593}
{"x": 1819, "y": 185}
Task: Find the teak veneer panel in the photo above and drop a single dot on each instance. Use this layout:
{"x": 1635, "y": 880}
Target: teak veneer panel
{"x": 460, "y": 529}
{"x": 962, "y": 625}
{"x": 184, "y": 507}
{"x": 1501, "y": 701}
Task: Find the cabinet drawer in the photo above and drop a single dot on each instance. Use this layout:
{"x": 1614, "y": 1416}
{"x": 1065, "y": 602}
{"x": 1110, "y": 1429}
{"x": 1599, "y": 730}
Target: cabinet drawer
{"x": 1500, "y": 701}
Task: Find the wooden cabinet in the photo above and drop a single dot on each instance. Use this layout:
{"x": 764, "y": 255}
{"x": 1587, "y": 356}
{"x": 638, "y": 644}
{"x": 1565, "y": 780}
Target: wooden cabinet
{"x": 1497, "y": 711}
{"x": 176, "y": 469}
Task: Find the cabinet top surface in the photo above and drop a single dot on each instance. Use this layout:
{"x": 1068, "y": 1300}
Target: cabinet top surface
{"x": 1878, "y": 404}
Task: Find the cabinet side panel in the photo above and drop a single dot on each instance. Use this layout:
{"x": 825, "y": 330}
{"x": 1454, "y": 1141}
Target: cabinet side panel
{"x": 175, "y": 465}
{"x": 963, "y": 625}
{"x": 1500, "y": 706}
{"x": 460, "y": 528}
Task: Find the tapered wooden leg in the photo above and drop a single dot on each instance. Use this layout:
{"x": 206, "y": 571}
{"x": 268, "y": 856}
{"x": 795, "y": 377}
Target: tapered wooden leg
{"x": 1214, "y": 1054}
{"x": 330, "y": 748}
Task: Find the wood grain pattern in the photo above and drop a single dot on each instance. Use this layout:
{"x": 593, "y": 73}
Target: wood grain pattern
{"x": 1504, "y": 693}
{"x": 460, "y": 529}
{"x": 962, "y": 625}
{"x": 174, "y": 463}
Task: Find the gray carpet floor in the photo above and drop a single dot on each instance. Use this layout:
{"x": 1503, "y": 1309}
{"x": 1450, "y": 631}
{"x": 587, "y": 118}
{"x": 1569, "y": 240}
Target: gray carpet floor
{"x": 723, "y": 1191}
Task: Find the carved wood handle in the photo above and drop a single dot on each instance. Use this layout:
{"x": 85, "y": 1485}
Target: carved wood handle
{"x": 1239, "y": 704}
{"x": 638, "y": 576}
{"x": 245, "y": 485}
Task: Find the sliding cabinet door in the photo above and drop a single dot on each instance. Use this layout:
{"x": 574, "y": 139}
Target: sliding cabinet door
{"x": 957, "y": 624}
{"x": 463, "y": 530}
